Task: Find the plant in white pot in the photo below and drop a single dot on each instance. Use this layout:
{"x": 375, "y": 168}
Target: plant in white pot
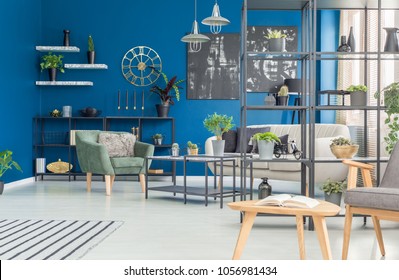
{"x": 333, "y": 191}
{"x": 157, "y": 139}
{"x": 342, "y": 147}
{"x": 265, "y": 142}
{"x": 358, "y": 95}
{"x": 276, "y": 40}
{"x": 6, "y": 163}
{"x": 192, "y": 149}
{"x": 218, "y": 124}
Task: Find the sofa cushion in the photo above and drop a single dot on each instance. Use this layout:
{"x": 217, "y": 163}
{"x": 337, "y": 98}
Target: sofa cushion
{"x": 379, "y": 198}
{"x": 250, "y": 132}
{"x": 120, "y": 162}
{"x": 230, "y": 138}
{"x": 118, "y": 144}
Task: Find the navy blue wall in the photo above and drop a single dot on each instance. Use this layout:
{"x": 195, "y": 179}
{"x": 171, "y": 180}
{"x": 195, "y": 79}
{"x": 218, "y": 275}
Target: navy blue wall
{"x": 20, "y": 32}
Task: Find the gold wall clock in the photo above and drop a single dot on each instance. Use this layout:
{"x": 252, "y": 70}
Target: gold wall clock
{"x": 141, "y": 66}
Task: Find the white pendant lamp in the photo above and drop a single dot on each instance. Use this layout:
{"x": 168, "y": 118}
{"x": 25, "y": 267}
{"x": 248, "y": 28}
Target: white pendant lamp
{"x": 195, "y": 38}
{"x": 216, "y": 21}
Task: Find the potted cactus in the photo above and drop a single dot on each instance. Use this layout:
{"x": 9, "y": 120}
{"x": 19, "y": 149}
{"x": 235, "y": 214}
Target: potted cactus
{"x": 343, "y": 147}
{"x": 282, "y": 96}
{"x": 276, "y": 40}
{"x": 91, "y": 54}
{"x": 358, "y": 95}
{"x": 192, "y": 149}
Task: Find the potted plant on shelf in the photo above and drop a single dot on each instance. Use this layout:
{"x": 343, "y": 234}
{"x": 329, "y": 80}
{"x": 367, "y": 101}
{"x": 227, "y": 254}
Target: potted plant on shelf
{"x": 333, "y": 191}
{"x": 265, "y": 142}
{"x": 192, "y": 149}
{"x": 282, "y": 96}
{"x": 175, "y": 150}
{"x": 6, "y": 163}
{"x": 52, "y": 62}
{"x": 391, "y": 101}
{"x": 91, "y": 54}
{"x": 276, "y": 40}
{"x": 342, "y": 147}
{"x": 157, "y": 139}
{"x": 358, "y": 95}
{"x": 218, "y": 124}
{"x": 166, "y": 93}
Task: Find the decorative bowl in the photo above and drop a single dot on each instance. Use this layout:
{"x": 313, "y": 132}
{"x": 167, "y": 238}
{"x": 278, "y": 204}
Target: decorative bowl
{"x": 344, "y": 151}
{"x": 90, "y": 112}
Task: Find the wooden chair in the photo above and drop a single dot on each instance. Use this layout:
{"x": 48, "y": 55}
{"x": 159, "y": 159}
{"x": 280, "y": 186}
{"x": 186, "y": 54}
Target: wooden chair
{"x": 381, "y": 203}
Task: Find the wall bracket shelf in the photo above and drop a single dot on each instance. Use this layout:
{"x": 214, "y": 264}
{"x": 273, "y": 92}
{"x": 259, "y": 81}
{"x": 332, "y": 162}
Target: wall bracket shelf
{"x": 86, "y": 66}
{"x": 57, "y": 49}
{"x": 64, "y": 83}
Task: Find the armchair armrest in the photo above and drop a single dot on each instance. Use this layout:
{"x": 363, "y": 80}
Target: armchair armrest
{"x": 352, "y": 174}
{"x": 143, "y": 150}
{"x": 93, "y": 157}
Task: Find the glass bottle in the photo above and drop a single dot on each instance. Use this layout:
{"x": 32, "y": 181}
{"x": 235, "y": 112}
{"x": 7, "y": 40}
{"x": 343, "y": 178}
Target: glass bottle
{"x": 344, "y": 47}
{"x": 264, "y": 189}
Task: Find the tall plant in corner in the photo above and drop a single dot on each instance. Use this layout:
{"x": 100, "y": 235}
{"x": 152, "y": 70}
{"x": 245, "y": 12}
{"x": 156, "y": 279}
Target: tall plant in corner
{"x": 391, "y": 101}
{"x": 218, "y": 125}
{"x": 6, "y": 163}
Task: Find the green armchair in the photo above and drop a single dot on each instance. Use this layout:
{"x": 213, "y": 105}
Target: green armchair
{"x": 94, "y": 157}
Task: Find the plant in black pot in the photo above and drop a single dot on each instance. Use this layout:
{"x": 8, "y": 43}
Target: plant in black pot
{"x": 91, "y": 54}
{"x": 391, "y": 102}
{"x": 276, "y": 40}
{"x": 6, "y": 163}
{"x": 52, "y": 62}
{"x": 166, "y": 93}
{"x": 333, "y": 191}
{"x": 358, "y": 95}
{"x": 282, "y": 96}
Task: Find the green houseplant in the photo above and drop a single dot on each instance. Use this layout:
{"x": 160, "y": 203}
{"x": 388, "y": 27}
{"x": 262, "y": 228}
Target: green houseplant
{"x": 358, "y": 95}
{"x": 52, "y": 62}
{"x": 391, "y": 101}
{"x": 167, "y": 93}
{"x": 6, "y": 163}
{"x": 343, "y": 147}
{"x": 218, "y": 124}
{"x": 276, "y": 40}
{"x": 157, "y": 139}
{"x": 333, "y": 191}
{"x": 91, "y": 54}
{"x": 265, "y": 142}
{"x": 192, "y": 149}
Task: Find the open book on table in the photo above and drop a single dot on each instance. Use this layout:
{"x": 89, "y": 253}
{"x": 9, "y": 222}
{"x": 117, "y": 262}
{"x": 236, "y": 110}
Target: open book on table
{"x": 286, "y": 200}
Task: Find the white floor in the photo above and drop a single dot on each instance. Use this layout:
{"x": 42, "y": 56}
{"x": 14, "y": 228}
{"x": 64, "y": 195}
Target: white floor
{"x": 162, "y": 227}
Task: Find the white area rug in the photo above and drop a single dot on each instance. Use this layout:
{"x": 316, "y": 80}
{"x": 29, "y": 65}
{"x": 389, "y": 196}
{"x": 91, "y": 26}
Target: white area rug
{"x": 51, "y": 239}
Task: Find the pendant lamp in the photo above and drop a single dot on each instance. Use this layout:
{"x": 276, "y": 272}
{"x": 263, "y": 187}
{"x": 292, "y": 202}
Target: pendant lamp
{"x": 195, "y": 38}
{"x": 216, "y": 21}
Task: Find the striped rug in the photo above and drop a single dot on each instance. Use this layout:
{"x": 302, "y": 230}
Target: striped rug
{"x": 51, "y": 239}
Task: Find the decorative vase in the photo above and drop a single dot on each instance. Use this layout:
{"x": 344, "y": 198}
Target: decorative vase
{"x": 344, "y": 47}
{"x": 277, "y": 45}
{"x": 270, "y": 100}
{"x": 391, "y": 42}
{"x": 266, "y": 149}
{"x": 52, "y": 73}
{"x": 175, "y": 152}
{"x": 347, "y": 151}
{"x": 264, "y": 189}
{"x": 333, "y": 198}
{"x": 1, "y": 187}
{"x": 192, "y": 151}
{"x": 91, "y": 55}
{"x": 351, "y": 40}
{"x": 66, "y": 38}
{"x": 218, "y": 147}
{"x": 282, "y": 100}
{"x": 358, "y": 98}
{"x": 162, "y": 110}
{"x": 157, "y": 141}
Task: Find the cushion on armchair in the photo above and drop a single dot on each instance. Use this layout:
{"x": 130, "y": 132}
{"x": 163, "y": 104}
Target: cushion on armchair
{"x": 118, "y": 144}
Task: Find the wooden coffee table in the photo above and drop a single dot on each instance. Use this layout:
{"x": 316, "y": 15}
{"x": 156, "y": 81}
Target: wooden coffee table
{"x": 318, "y": 213}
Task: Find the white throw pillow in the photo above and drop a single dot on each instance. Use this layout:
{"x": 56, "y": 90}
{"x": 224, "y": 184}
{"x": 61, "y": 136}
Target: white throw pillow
{"x": 118, "y": 144}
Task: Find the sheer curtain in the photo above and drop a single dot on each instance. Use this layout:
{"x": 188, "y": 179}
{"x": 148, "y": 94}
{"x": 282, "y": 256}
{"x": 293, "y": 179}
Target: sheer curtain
{"x": 359, "y": 72}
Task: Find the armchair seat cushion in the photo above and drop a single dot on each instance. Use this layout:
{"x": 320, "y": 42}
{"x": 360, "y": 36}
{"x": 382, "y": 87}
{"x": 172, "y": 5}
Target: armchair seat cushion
{"x": 118, "y": 144}
{"x": 378, "y": 198}
{"x": 121, "y": 162}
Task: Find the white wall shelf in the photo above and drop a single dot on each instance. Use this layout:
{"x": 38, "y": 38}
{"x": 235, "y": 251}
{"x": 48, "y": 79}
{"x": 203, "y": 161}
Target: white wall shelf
{"x": 86, "y": 66}
{"x": 57, "y": 49}
{"x": 64, "y": 83}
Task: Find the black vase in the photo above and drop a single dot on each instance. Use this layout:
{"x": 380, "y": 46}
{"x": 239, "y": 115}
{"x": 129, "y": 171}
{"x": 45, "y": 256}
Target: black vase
{"x": 52, "y": 73}
{"x": 162, "y": 110}
{"x": 391, "y": 43}
{"x": 344, "y": 47}
{"x": 351, "y": 40}
{"x": 91, "y": 55}
{"x": 66, "y": 38}
{"x": 281, "y": 100}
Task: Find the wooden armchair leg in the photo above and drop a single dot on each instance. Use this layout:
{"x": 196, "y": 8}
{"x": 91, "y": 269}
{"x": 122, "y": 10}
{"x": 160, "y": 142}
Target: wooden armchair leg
{"x": 142, "y": 182}
{"x": 347, "y": 232}
{"x": 112, "y": 181}
{"x": 377, "y": 229}
{"x": 88, "y": 182}
{"x": 108, "y": 184}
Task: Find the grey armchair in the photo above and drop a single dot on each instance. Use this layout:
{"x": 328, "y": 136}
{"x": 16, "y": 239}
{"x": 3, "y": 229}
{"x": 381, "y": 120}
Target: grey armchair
{"x": 94, "y": 158}
{"x": 381, "y": 203}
